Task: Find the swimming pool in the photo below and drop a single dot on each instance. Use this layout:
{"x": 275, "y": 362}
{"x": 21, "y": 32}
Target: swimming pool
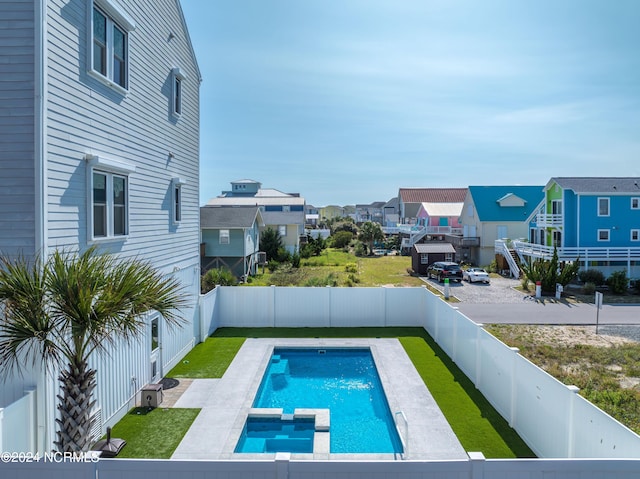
{"x": 343, "y": 380}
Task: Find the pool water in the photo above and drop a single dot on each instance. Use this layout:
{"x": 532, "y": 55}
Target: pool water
{"x": 346, "y": 382}
{"x": 276, "y": 435}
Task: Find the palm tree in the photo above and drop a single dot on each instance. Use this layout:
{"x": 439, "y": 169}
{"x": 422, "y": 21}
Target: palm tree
{"x": 61, "y": 310}
{"x": 370, "y": 233}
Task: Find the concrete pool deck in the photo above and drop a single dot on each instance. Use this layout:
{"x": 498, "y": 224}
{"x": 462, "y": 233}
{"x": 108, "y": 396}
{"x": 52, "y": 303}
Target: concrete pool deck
{"x": 225, "y": 404}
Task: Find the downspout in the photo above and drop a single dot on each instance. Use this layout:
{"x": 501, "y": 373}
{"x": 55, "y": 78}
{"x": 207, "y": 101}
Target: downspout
{"x": 44, "y": 397}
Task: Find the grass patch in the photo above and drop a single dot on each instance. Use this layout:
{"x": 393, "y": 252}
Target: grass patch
{"x": 336, "y": 263}
{"x": 209, "y": 359}
{"x": 476, "y": 423}
{"x": 153, "y": 434}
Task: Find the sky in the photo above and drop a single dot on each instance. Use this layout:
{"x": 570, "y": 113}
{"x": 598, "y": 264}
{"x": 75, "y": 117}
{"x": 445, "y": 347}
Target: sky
{"x": 346, "y": 101}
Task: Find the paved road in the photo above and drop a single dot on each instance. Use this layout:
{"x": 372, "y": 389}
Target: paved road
{"x": 498, "y": 302}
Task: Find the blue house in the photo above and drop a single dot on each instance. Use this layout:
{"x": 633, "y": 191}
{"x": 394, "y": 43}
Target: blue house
{"x": 595, "y": 219}
{"x": 230, "y": 238}
{"x": 99, "y": 145}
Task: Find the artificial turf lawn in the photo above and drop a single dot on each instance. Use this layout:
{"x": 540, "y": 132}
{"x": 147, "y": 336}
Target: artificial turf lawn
{"x": 209, "y": 359}
{"x": 477, "y": 424}
{"x": 153, "y": 434}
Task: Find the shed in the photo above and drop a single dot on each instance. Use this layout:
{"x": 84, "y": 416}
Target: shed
{"x": 424, "y": 254}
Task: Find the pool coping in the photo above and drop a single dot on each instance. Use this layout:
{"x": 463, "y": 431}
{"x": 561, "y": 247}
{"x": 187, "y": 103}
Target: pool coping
{"x": 226, "y": 402}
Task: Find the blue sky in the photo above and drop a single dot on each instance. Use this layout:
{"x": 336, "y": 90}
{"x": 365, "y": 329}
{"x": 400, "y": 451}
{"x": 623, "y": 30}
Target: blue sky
{"x": 347, "y": 101}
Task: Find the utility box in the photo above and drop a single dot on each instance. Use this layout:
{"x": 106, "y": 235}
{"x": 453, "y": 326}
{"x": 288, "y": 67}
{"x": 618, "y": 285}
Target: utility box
{"x": 151, "y": 395}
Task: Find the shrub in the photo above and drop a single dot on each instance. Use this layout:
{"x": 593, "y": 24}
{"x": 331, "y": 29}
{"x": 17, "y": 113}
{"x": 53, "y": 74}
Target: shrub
{"x": 328, "y": 280}
{"x": 351, "y": 268}
{"x": 353, "y": 278}
{"x": 524, "y": 282}
{"x": 342, "y": 239}
{"x": 272, "y": 265}
{"x": 618, "y": 282}
{"x": 549, "y": 272}
{"x": 589, "y": 288}
{"x": 594, "y": 276}
{"x": 360, "y": 249}
{"x": 216, "y": 277}
{"x": 295, "y": 260}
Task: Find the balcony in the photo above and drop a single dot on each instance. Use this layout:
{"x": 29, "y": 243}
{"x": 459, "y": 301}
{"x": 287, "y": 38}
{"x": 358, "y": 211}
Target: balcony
{"x": 462, "y": 241}
{"x": 548, "y": 221}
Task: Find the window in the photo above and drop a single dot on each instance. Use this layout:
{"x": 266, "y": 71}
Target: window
{"x": 635, "y": 235}
{"x": 110, "y": 27}
{"x": 224, "y": 236}
{"x": 282, "y": 229}
{"x": 603, "y": 206}
{"x": 155, "y": 336}
{"x": 176, "y": 93}
{"x": 603, "y": 235}
{"x": 635, "y": 203}
{"x": 109, "y": 205}
{"x": 108, "y": 197}
{"x": 424, "y": 258}
{"x": 176, "y": 186}
{"x": 448, "y": 257}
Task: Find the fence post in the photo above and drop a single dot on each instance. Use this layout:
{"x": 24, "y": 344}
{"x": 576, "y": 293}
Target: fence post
{"x": 329, "y": 303}
{"x": 454, "y": 318}
{"x": 282, "y": 465}
{"x": 477, "y": 379}
{"x": 514, "y": 388}
{"x": 570, "y": 427}
{"x": 477, "y": 465}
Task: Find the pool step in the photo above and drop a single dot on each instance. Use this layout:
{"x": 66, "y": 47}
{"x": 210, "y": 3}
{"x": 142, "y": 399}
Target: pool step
{"x": 279, "y": 371}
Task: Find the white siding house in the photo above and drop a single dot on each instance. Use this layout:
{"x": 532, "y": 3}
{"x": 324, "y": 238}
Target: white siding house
{"x": 99, "y": 135}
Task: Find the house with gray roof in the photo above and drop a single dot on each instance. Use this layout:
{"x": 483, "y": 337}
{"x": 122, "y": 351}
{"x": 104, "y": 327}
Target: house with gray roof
{"x": 593, "y": 219}
{"x": 283, "y": 212}
{"x": 230, "y": 238}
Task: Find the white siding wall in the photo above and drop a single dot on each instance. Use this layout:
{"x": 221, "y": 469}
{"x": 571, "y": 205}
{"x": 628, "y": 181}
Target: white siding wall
{"x": 17, "y": 132}
{"x": 87, "y": 117}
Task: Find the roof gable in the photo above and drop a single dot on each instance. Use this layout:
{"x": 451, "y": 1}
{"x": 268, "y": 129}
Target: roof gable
{"x": 500, "y": 203}
{"x": 442, "y": 209}
{"x": 229, "y": 217}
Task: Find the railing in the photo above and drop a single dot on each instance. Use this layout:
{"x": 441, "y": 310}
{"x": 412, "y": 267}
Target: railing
{"x": 502, "y": 248}
{"x": 548, "y": 220}
{"x": 463, "y": 241}
{"x": 404, "y": 438}
{"x": 572, "y": 253}
{"x": 417, "y": 232}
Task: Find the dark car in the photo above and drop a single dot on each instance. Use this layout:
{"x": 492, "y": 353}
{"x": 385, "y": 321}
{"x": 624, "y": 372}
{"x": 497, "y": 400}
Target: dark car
{"x": 443, "y": 270}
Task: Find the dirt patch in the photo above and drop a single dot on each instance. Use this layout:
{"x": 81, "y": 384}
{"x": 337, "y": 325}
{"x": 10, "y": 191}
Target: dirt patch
{"x": 573, "y": 335}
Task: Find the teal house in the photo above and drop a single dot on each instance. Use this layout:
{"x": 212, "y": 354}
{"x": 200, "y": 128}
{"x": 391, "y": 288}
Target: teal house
{"x": 230, "y": 238}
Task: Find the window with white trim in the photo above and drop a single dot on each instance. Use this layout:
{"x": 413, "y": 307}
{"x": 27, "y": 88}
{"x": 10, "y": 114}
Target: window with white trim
{"x": 177, "y": 78}
{"x": 109, "y": 199}
{"x": 424, "y": 258}
{"x": 224, "y": 237}
{"x": 109, "y": 44}
{"x": 635, "y": 203}
{"x": 603, "y": 235}
{"x": 635, "y": 235}
{"x": 603, "y": 206}
{"x": 448, "y": 257}
{"x": 282, "y": 230}
{"x": 176, "y": 199}
{"x": 108, "y": 182}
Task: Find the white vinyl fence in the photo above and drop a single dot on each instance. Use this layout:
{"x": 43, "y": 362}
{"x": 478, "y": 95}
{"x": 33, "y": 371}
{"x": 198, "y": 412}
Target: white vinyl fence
{"x": 552, "y": 418}
{"x": 17, "y": 428}
{"x": 282, "y": 468}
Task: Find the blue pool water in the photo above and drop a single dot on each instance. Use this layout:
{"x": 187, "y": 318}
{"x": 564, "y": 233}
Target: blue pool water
{"x": 276, "y": 435}
{"x": 346, "y": 382}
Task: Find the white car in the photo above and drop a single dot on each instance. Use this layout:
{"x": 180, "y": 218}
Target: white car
{"x": 475, "y": 274}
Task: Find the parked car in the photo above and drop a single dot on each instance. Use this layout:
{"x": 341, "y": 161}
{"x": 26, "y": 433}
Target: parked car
{"x": 442, "y": 270}
{"x": 474, "y": 275}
